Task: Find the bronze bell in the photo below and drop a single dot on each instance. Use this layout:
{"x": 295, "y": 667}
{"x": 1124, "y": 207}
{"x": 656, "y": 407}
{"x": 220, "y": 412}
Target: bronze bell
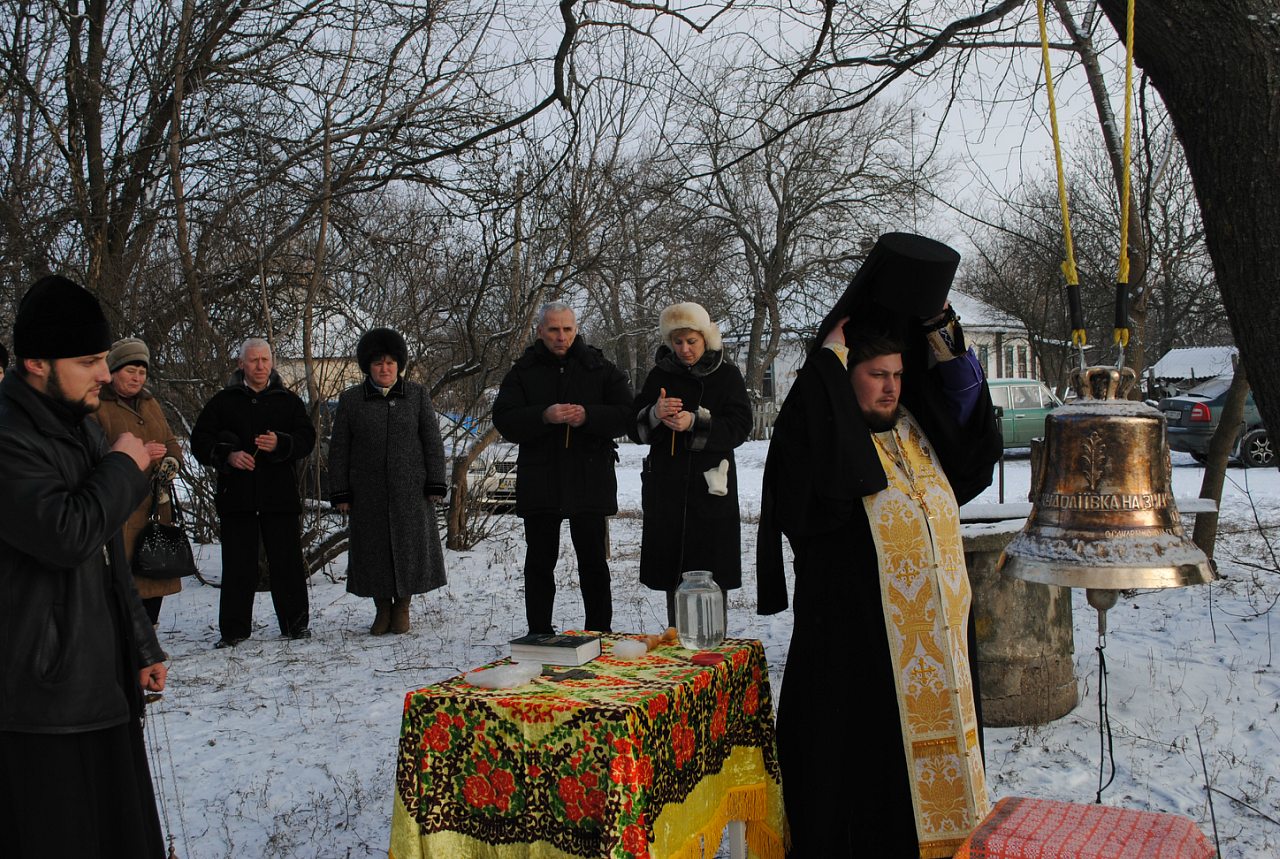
{"x": 1103, "y": 515}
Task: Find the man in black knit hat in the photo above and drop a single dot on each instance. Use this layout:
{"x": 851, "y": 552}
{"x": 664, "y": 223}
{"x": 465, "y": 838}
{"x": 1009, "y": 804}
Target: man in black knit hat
{"x": 77, "y": 649}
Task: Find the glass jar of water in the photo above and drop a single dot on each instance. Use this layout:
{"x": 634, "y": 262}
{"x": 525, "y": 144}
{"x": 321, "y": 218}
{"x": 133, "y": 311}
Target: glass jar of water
{"x": 699, "y": 611}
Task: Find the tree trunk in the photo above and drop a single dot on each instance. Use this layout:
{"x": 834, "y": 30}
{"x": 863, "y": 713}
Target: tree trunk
{"x": 1215, "y": 467}
{"x": 458, "y": 532}
{"x": 1216, "y": 63}
{"x": 754, "y": 371}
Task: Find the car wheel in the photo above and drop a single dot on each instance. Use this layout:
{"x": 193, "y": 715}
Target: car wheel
{"x": 1256, "y": 450}
{"x": 1199, "y": 457}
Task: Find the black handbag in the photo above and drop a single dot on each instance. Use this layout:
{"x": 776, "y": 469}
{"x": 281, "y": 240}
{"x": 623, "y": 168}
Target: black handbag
{"x": 163, "y": 551}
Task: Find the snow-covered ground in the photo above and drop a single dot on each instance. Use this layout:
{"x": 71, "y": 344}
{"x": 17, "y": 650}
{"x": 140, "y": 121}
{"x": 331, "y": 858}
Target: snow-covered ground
{"x": 286, "y": 749}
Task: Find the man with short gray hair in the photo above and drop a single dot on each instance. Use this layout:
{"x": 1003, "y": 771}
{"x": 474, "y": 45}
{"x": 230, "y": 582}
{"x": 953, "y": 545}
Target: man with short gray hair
{"x": 564, "y": 403}
{"x": 254, "y": 432}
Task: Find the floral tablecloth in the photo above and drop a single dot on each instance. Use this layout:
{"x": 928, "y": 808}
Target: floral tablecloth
{"x": 618, "y": 759}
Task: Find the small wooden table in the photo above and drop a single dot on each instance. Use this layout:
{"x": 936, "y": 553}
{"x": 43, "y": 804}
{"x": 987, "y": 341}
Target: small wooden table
{"x": 619, "y": 759}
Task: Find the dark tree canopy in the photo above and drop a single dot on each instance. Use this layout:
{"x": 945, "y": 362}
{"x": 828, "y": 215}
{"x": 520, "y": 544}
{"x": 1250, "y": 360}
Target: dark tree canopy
{"x": 1216, "y": 64}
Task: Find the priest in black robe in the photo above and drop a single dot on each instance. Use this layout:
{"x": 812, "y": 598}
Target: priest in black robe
{"x": 848, "y": 786}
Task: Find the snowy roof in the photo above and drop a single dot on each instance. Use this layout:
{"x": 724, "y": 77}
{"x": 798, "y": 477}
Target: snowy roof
{"x": 1195, "y": 362}
{"x": 975, "y": 313}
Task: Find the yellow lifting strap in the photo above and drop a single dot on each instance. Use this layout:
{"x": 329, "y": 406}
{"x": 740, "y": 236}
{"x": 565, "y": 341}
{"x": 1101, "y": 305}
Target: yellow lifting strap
{"x": 1069, "y": 269}
{"x": 1121, "y": 335}
{"x": 1068, "y": 266}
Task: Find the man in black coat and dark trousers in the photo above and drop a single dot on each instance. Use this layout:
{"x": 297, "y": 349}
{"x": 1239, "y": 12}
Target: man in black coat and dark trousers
{"x": 564, "y": 404}
{"x": 76, "y": 647}
{"x": 254, "y": 431}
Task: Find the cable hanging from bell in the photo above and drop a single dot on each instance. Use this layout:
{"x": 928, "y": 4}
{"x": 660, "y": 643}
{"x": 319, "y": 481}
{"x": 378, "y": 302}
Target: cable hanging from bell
{"x": 1070, "y": 271}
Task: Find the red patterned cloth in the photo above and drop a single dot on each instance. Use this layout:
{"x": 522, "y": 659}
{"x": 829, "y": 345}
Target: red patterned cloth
{"x": 1019, "y": 828}
{"x": 627, "y": 759}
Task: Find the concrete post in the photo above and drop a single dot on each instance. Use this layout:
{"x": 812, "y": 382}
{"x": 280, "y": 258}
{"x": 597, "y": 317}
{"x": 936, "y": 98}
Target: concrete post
{"x": 1026, "y": 674}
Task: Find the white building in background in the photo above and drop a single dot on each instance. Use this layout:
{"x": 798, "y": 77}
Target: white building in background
{"x": 779, "y": 376}
{"x": 1001, "y": 342}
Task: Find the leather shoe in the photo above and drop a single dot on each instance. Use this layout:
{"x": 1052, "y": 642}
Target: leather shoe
{"x": 224, "y": 643}
{"x": 300, "y": 634}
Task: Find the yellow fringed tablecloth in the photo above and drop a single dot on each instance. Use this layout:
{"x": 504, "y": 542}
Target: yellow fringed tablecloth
{"x": 636, "y": 759}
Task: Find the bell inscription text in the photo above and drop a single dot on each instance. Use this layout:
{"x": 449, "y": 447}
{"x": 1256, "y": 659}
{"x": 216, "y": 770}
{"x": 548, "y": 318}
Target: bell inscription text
{"x": 1089, "y": 501}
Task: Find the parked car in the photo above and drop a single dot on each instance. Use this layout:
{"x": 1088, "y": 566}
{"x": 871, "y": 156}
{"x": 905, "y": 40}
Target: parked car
{"x": 491, "y": 476}
{"x": 1024, "y": 404}
{"x": 491, "y": 479}
{"x": 1192, "y": 418}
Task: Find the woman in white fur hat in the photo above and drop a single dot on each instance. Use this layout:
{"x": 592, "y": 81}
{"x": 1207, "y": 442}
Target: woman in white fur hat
{"x": 692, "y": 412}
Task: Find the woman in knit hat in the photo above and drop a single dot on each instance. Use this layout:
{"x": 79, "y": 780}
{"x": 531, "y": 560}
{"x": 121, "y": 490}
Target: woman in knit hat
{"x": 386, "y": 468}
{"x": 692, "y": 412}
{"x": 127, "y": 406}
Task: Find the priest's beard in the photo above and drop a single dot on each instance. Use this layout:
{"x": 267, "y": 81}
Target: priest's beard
{"x": 79, "y": 409}
{"x": 878, "y": 422}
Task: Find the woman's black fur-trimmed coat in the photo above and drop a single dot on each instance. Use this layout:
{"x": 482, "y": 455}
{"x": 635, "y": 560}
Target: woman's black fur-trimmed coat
{"x": 686, "y": 527}
{"x": 385, "y": 460}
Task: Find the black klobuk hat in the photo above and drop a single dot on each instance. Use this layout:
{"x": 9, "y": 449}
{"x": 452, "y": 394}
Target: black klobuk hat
{"x": 905, "y": 274}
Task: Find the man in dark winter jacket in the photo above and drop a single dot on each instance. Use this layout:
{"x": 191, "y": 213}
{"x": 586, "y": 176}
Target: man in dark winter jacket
{"x": 564, "y": 403}
{"x": 76, "y": 647}
{"x": 254, "y": 431}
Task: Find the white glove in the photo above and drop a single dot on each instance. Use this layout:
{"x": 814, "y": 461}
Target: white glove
{"x": 167, "y": 469}
{"x": 718, "y": 478}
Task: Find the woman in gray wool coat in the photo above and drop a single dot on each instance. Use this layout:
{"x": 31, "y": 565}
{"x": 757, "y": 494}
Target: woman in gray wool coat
{"x": 387, "y": 470}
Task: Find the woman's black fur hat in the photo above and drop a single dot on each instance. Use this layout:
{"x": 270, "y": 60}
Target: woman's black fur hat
{"x": 381, "y": 341}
